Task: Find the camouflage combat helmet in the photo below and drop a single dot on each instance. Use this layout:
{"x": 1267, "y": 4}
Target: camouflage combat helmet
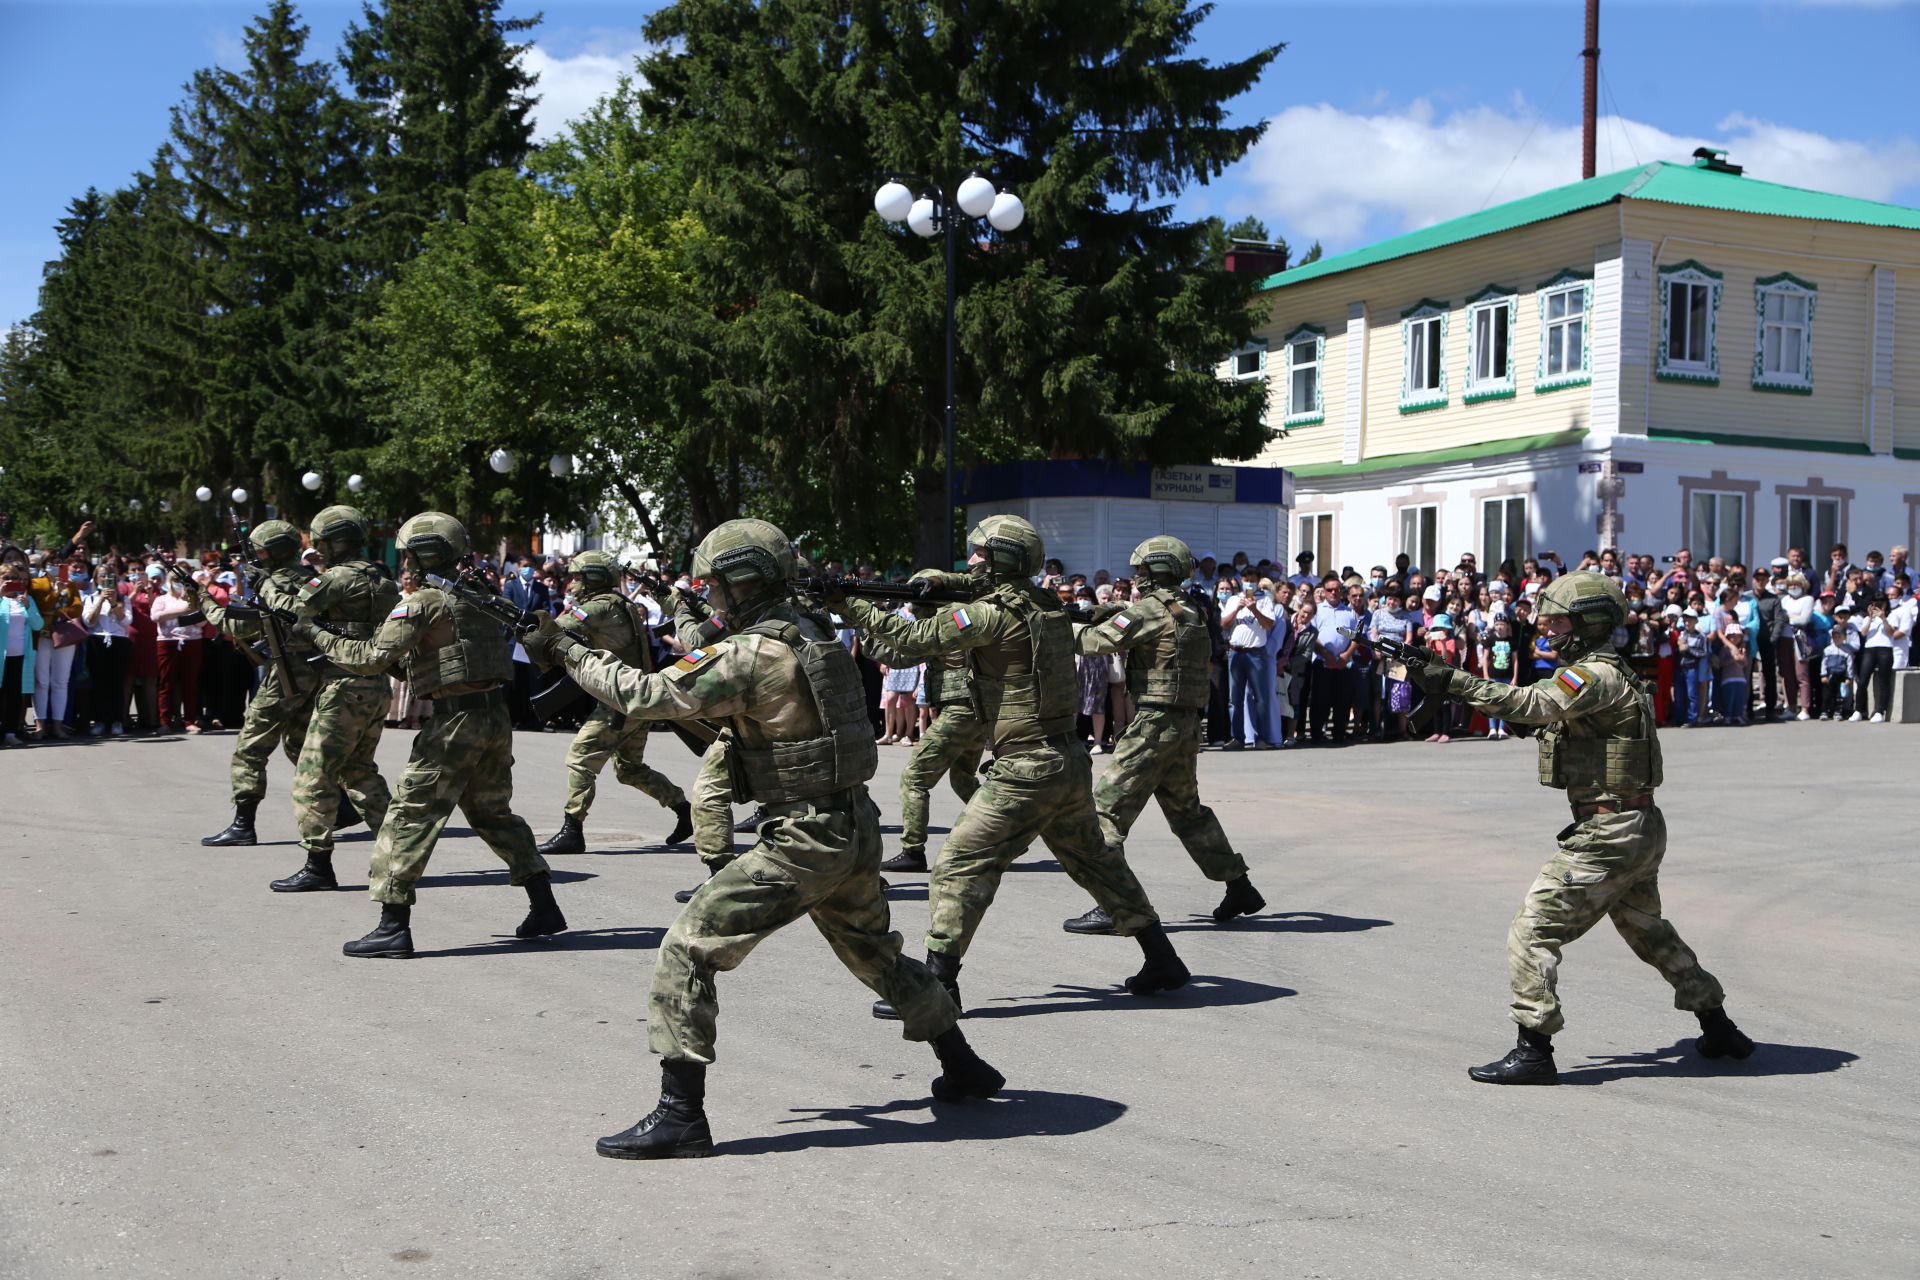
{"x": 1014, "y": 548}
{"x": 275, "y": 542}
{"x": 340, "y": 532}
{"x": 1163, "y": 560}
{"x": 744, "y": 560}
{"x": 436, "y": 540}
{"x": 1595, "y": 605}
{"x": 596, "y": 570}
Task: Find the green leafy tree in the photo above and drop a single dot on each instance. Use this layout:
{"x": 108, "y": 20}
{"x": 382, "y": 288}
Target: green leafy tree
{"x": 1092, "y": 331}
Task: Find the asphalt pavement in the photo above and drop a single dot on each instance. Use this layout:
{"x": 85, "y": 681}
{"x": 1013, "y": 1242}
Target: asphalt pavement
{"x": 196, "y": 1083}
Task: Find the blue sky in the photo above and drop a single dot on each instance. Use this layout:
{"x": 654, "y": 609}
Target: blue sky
{"x": 1383, "y": 116}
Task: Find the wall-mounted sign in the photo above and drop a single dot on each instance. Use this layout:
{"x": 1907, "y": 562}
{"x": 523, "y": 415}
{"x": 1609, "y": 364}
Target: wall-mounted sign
{"x": 1194, "y": 484}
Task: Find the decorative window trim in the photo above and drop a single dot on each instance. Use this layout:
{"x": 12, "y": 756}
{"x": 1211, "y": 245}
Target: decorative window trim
{"x": 1789, "y": 285}
{"x": 1295, "y": 417}
{"x": 1706, "y": 373}
{"x": 1566, "y": 282}
{"x": 1435, "y": 398}
{"x": 1488, "y": 299}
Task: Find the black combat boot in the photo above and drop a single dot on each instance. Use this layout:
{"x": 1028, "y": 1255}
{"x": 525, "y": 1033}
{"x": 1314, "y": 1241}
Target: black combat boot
{"x": 346, "y": 815}
{"x": 686, "y": 895}
{"x": 914, "y": 860}
{"x": 682, "y": 822}
{"x": 241, "y": 832}
{"x": 963, "y": 1073}
{"x": 1095, "y": 921}
{"x": 1242, "y": 900}
{"x": 1164, "y": 970}
{"x": 1529, "y": 1062}
{"x": 946, "y": 971}
{"x": 315, "y": 874}
{"x": 1719, "y": 1038}
{"x": 753, "y": 820}
{"x": 545, "y": 917}
{"x": 570, "y": 838}
{"x": 393, "y": 936}
{"x": 677, "y": 1127}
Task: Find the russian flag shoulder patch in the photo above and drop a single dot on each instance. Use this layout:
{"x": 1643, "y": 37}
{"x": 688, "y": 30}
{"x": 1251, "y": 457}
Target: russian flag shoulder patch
{"x": 401, "y": 612}
{"x": 961, "y": 620}
{"x": 578, "y": 612}
{"x": 1121, "y": 621}
{"x": 1572, "y": 679}
{"x": 694, "y": 659}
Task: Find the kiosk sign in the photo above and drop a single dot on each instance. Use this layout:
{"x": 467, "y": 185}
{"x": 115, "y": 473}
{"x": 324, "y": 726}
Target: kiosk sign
{"x": 1194, "y": 484}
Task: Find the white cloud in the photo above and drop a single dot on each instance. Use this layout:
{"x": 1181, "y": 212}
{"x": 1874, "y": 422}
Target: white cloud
{"x": 1347, "y": 177}
{"x": 569, "y": 85}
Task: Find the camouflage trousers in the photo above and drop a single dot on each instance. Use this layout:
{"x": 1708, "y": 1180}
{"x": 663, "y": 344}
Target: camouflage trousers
{"x": 1157, "y": 759}
{"x": 608, "y": 736}
{"x": 951, "y": 744}
{"x": 273, "y": 719}
{"x": 816, "y": 858}
{"x": 461, "y": 758}
{"x": 713, "y": 808}
{"x": 1045, "y": 792}
{"x": 1608, "y": 866}
{"x": 348, "y": 715}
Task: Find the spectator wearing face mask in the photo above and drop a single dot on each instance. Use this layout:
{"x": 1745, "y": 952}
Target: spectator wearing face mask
{"x": 522, "y": 587}
{"x": 109, "y": 651}
{"x": 1247, "y": 616}
{"x": 1838, "y": 657}
{"x": 58, "y": 599}
{"x": 178, "y": 639}
{"x": 1878, "y": 635}
{"x": 19, "y": 620}
{"x": 1797, "y": 647}
{"x": 1904, "y": 614}
{"x": 144, "y": 652}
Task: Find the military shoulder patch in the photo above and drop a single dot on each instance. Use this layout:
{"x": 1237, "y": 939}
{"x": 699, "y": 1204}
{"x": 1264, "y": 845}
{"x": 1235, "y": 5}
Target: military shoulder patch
{"x": 313, "y": 582}
{"x": 961, "y": 620}
{"x": 1120, "y": 621}
{"x": 694, "y": 659}
{"x": 401, "y": 612}
{"x": 1572, "y": 679}
{"x": 578, "y": 612}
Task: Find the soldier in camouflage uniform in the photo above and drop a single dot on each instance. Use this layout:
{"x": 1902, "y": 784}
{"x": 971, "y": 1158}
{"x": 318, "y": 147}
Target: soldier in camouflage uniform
{"x": 1600, "y": 747}
{"x": 1019, "y": 649}
{"x": 459, "y": 657}
{"x": 1168, "y": 650}
{"x": 949, "y": 746}
{"x": 801, "y": 746}
{"x": 352, "y": 595}
{"x": 277, "y": 716}
{"x": 605, "y": 619}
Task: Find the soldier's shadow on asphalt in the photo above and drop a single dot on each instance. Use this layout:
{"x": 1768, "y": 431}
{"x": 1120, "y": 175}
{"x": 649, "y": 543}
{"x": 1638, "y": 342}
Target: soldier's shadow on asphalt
{"x": 1679, "y": 1059}
{"x": 1015, "y": 1113}
{"x": 636, "y": 939}
{"x": 1282, "y": 922}
{"x": 470, "y": 879}
{"x": 1202, "y": 991}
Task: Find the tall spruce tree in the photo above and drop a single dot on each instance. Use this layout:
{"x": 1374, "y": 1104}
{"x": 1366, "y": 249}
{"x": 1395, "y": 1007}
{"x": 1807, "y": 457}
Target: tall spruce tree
{"x": 270, "y": 159}
{"x": 1091, "y": 331}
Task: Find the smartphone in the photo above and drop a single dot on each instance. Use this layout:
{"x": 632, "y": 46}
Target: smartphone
{"x": 63, "y": 575}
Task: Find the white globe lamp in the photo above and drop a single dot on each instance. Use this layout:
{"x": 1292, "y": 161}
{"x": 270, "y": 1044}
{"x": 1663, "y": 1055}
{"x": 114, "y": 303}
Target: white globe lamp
{"x": 920, "y": 218}
{"x": 239, "y": 495}
{"x": 310, "y": 481}
{"x": 975, "y": 196}
{"x": 1006, "y": 213}
{"x": 500, "y": 460}
{"x": 203, "y": 493}
{"x": 355, "y": 483}
{"x": 893, "y": 202}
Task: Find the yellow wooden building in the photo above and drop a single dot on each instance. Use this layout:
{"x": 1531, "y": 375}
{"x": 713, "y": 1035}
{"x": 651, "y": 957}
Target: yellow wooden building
{"x": 1667, "y": 356}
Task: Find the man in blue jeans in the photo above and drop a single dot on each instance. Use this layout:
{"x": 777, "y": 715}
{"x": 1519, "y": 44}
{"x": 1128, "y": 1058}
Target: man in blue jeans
{"x": 1332, "y": 671}
{"x": 1246, "y": 619}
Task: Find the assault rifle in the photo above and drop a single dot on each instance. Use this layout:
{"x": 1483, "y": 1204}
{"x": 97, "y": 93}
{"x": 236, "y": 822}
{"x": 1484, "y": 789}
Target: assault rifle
{"x": 564, "y": 691}
{"x": 919, "y": 591}
{"x": 1413, "y": 655}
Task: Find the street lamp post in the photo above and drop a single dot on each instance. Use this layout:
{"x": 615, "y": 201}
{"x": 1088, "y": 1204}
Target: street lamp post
{"x": 934, "y": 213}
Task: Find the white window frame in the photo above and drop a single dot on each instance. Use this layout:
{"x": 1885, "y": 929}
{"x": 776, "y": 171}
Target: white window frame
{"x": 1784, "y": 285}
{"x": 1705, "y": 543}
{"x": 1306, "y": 415}
{"x": 1490, "y": 302}
{"x": 1705, "y": 371}
{"x": 1564, "y": 285}
{"x": 1259, "y": 374}
{"x": 1427, "y": 312}
{"x": 1316, "y": 536}
{"x": 1813, "y": 537}
{"x": 1492, "y": 557}
{"x": 1422, "y": 547}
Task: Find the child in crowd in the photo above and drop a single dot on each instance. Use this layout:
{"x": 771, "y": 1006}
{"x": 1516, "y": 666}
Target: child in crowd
{"x": 1733, "y": 689}
{"x": 1441, "y": 643}
{"x": 1500, "y": 669}
{"x": 1836, "y": 666}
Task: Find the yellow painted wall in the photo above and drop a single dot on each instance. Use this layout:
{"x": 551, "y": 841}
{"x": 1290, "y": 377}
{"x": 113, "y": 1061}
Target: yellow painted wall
{"x": 1748, "y": 247}
{"x": 1520, "y": 259}
{"x": 1906, "y": 360}
{"x": 1322, "y": 303}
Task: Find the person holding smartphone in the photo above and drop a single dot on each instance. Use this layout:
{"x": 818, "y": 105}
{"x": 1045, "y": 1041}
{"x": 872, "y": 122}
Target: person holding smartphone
{"x": 104, "y": 613}
{"x": 58, "y": 600}
{"x": 19, "y": 620}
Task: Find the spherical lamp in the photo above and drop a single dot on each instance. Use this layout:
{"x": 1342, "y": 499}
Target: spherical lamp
{"x": 893, "y": 202}
{"x": 501, "y": 461}
{"x": 1007, "y": 213}
{"x": 238, "y": 495}
{"x": 560, "y": 466}
{"x": 310, "y": 481}
{"x": 203, "y": 493}
{"x": 920, "y": 218}
{"x": 355, "y": 483}
{"x": 975, "y": 196}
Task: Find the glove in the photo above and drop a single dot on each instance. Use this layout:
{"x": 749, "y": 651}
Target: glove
{"x": 303, "y": 629}
{"x": 547, "y": 641}
{"x": 829, "y": 590}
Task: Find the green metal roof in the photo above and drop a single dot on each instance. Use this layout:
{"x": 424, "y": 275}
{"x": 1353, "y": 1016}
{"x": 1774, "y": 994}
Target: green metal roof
{"x": 1660, "y": 181}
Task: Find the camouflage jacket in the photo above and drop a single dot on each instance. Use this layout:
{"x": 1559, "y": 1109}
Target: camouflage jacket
{"x": 1600, "y": 742}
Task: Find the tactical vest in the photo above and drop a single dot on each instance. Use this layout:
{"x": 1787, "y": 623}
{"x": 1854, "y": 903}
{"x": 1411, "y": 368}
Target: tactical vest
{"x": 360, "y": 596}
{"x": 844, "y": 754}
{"x": 1026, "y": 688}
{"x": 1172, "y": 671}
{"x": 1622, "y": 756}
{"x": 462, "y": 644}
{"x": 281, "y": 588}
{"x": 609, "y": 615}
{"x": 944, "y": 678}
